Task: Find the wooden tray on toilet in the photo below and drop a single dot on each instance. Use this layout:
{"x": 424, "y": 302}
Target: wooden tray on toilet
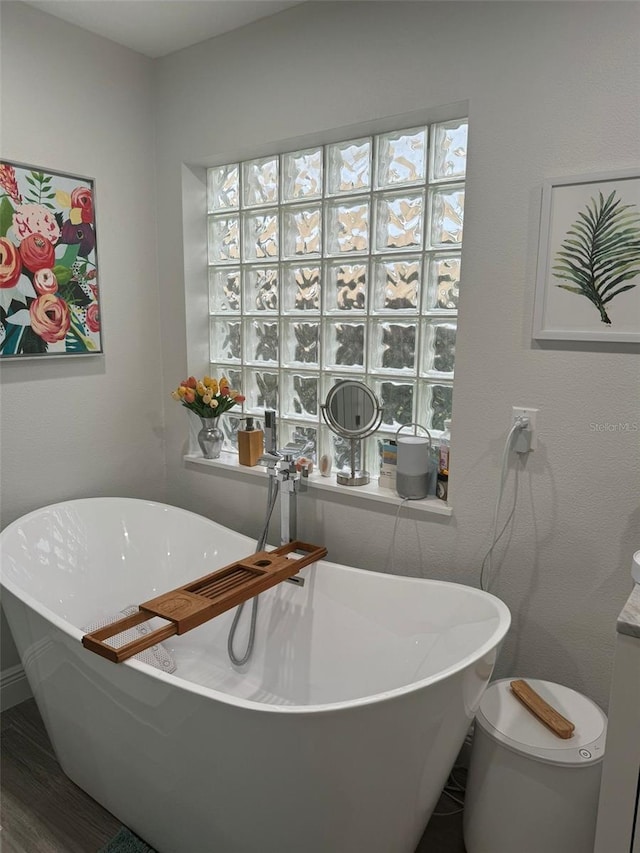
{"x": 198, "y": 601}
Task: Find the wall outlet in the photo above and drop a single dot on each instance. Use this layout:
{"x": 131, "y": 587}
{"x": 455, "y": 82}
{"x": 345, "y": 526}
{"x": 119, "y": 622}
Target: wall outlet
{"x": 521, "y": 412}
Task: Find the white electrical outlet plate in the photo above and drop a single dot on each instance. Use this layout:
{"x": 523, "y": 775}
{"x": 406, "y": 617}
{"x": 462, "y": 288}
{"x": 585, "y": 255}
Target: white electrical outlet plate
{"x": 521, "y": 412}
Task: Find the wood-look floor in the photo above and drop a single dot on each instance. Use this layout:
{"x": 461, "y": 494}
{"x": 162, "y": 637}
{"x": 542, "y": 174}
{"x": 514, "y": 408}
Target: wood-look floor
{"x": 41, "y": 811}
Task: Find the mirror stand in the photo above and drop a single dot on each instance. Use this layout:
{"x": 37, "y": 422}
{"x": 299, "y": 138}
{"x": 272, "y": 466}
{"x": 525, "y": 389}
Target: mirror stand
{"x": 356, "y": 478}
{"x": 353, "y": 412}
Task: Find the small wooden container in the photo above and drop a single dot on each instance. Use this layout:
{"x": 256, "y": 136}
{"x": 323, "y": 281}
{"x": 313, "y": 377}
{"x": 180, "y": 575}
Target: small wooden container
{"x": 250, "y": 444}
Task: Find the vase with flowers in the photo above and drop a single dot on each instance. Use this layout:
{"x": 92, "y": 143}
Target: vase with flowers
{"x": 208, "y": 398}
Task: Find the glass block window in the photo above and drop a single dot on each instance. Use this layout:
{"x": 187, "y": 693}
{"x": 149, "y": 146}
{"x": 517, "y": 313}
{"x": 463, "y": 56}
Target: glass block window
{"x": 334, "y": 262}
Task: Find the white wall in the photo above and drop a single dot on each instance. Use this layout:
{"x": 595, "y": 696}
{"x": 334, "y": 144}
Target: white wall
{"x": 552, "y": 89}
{"x": 93, "y": 426}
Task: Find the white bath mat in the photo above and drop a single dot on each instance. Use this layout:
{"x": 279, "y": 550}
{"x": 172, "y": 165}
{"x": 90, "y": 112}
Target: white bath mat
{"x": 157, "y": 656}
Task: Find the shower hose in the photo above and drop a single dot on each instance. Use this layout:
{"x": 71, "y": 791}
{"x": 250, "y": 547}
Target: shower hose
{"x": 262, "y": 541}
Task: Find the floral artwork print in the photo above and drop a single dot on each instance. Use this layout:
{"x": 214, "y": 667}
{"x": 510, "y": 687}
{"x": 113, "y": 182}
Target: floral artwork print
{"x": 49, "y": 303}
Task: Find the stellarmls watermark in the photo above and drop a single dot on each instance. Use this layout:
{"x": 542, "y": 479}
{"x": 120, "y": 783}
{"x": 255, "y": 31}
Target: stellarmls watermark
{"x": 614, "y": 427}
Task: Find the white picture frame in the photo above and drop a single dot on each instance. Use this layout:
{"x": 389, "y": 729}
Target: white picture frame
{"x": 577, "y": 298}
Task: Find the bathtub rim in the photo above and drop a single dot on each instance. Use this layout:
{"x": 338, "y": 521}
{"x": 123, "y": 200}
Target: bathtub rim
{"x": 499, "y": 633}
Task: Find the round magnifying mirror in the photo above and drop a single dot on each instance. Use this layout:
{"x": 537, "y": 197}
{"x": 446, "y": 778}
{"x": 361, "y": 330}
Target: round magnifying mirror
{"x": 352, "y": 410}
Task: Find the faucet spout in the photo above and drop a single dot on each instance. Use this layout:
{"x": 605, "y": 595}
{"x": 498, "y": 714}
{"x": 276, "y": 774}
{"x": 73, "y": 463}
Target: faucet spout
{"x": 270, "y": 459}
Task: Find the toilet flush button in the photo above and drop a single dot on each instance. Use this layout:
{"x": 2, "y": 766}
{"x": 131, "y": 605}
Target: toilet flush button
{"x": 585, "y": 753}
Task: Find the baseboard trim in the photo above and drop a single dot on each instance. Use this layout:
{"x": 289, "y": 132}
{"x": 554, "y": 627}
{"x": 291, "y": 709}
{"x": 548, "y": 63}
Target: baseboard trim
{"x": 14, "y": 687}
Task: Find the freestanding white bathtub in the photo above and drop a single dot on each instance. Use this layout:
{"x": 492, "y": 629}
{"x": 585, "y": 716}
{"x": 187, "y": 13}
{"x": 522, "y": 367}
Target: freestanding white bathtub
{"x": 336, "y": 737}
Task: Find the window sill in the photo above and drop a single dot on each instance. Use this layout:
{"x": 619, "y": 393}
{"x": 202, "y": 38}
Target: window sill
{"x": 327, "y": 486}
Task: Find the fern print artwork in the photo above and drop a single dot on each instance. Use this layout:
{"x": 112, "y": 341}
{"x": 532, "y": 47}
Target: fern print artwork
{"x": 49, "y": 303}
{"x": 600, "y": 254}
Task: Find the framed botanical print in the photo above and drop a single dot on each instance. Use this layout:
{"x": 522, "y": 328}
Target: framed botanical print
{"x": 49, "y": 279}
{"x": 588, "y": 280}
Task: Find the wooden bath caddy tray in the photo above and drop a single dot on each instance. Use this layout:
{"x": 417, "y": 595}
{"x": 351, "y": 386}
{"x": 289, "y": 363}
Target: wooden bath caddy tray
{"x": 191, "y": 605}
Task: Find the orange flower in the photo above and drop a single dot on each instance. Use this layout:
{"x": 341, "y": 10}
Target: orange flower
{"x": 37, "y": 253}
{"x": 10, "y": 263}
{"x": 50, "y": 317}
